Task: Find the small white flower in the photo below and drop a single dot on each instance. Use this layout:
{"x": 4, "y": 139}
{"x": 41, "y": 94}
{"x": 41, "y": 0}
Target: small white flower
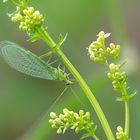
{"x": 57, "y": 121}
{"x": 107, "y": 35}
{"x": 119, "y": 129}
{"x": 90, "y": 52}
{"x": 101, "y": 34}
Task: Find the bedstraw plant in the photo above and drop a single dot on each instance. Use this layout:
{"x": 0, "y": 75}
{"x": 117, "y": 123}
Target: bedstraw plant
{"x": 32, "y": 22}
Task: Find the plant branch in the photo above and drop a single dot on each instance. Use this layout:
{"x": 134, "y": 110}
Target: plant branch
{"x": 95, "y": 137}
{"x": 81, "y": 82}
{"x": 127, "y": 113}
{"x": 127, "y": 118}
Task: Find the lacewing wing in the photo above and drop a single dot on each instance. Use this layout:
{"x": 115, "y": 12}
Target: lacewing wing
{"x": 28, "y": 63}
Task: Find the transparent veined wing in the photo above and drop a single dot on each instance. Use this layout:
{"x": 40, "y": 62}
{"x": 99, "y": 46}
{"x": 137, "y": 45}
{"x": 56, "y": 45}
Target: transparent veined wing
{"x": 25, "y": 61}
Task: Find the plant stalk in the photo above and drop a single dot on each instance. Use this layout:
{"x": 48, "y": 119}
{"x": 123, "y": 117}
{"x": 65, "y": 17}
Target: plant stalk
{"x": 127, "y": 113}
{"x": 95, "y": 137}
{"x": 127, "y": 118}
{"x": 82, "y": 83}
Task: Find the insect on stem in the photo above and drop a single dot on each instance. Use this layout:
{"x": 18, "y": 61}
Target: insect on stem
{"x": 28, "y": 63}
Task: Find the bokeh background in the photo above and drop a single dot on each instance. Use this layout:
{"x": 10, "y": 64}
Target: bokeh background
{"x": 25, "y": 101}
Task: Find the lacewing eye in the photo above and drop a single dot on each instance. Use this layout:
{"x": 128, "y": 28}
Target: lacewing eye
{"x": 26, "y": 62}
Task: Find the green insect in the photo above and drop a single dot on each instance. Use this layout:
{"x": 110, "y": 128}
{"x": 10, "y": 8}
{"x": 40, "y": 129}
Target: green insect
{"x": 26, "y": 62}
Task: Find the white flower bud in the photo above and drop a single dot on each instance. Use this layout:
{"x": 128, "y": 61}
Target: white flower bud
{"x": 61, "y": 116}
{"x": 77, "y": 130}
{"x": 112, "y": 45}
{"x": 101, "y": 50}
{"x": 118, "y": 47}
{"x": 25, "y": 11}
{"x": 87, "y": 115}
{"x": 51, "y": 121}
{"x": 57, "y": 121}
{"x": 114, "y": 82}
{"x": 101, "y": 34}
{"x": 59, "y": 131}
{"x": 90, "y": 52}
{"x": 109, "y": 75}
{"x": 119, "y": 129}
{"x": 81, "y": 112}
{"x": 107, "y": 35}
{"x": 65, "y": 110}
{"x": 17, "y": 17}
{"x": 53, "y": 115}
{"x": 53, "y": 126}
{"x": 112, "y": 67}
{"x": 113, "y": 52}
{"x": 30, "y": 10}
{"x": 108, "y": 50}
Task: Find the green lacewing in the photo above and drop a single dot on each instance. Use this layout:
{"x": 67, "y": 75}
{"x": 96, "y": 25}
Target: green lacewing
{"x": 28, "y": 63}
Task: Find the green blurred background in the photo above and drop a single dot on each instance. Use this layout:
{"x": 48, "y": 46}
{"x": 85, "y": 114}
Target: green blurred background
{"x": 24, "y": 100}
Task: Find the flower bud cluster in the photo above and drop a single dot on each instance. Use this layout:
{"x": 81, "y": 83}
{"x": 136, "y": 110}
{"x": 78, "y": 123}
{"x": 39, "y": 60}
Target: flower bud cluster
{"x": 120, "y": 134}
{"x": 113, "y": 51}
{"x": 99, "y": 53}
{"x": 97, "y": 48}
{"x": 30, "y": 20}
{"x": 69, "y": 119}
{"x": 118, "y": 78}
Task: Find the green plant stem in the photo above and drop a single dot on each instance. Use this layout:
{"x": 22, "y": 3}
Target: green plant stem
{"x": 127, "y": 113}
{"x": 81, "y": 82}
{"x": 95, "y": 137}
{"x": 127, "y": 118}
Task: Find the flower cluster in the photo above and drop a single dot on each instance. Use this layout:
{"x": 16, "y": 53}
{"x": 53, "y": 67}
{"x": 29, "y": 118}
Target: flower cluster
{"x": 69, "y": 119}
{"x": 109, "y": 56}
{"x": 113, "y": 51}
{"x": 97, "y": 48}
{"x": 98, "y": 51}
{"x": 120, "y": 134}
{"x": 118, "y": 78}
{"x": 30, "y": 20}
